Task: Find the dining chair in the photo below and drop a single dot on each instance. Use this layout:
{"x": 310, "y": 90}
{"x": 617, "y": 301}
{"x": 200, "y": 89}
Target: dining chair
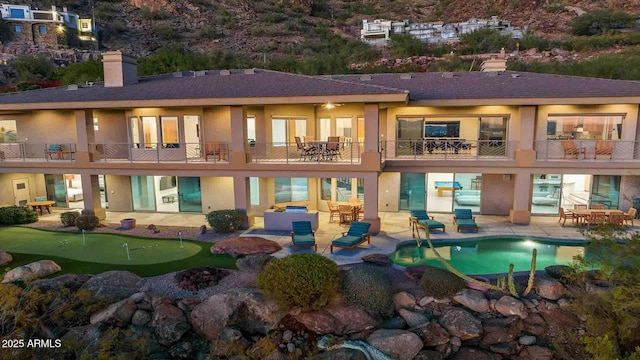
{"x": 333, "y": 210}
{"x": 333, "y": 148}
{"x": 630, "y": 215}
{"x": 564, "y": 216}
{"x": 598, "y": 207}
{"x": 616, "y": 218}
{"x": 345, "y": 213}
{"x": 580, "y": 206}
{"x": 596, "y": 218}
{"x": 306, "y": 152}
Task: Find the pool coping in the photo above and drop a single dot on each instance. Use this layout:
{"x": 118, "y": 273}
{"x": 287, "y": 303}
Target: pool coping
{"x": 444, "y": 242}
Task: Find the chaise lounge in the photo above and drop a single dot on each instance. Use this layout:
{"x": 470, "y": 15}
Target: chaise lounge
{"x": 302, "y": 235}
{"x": 358, "y": 233}
{"x": 465, "y": 220}
{"x": 423, "y": 220}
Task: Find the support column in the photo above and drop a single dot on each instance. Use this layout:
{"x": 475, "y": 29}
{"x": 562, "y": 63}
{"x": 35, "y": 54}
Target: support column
{"x": 242, "y": 199}
{"x": 520, "y": 213}
{"x": 238, "y": 135}
{"x": 371, "y": 201}
{"x": 91, "y": 195}
{"x": 371, "y": 155}
{"x": 85, "y": 134}
{"x": 525, "y": 154}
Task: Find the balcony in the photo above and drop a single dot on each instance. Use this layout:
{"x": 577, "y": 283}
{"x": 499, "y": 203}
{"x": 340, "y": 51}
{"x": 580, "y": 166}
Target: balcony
{"x": 37, "y": 152}
{"x": 587, "y": 150}
{"x": 209, "y": 152}
{"x": 314, "y": 152}
{"x": 448, "y": 149}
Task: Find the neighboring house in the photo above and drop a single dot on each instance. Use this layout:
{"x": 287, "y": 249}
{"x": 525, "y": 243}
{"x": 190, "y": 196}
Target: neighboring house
{"x": 497, "y": 142}
{"x": 378, "y": 32}
{"x": 48, "y": 27}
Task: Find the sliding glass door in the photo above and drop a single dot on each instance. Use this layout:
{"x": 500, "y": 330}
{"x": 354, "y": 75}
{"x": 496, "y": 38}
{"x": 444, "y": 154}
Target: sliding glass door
{"x": 143, "y": 193}
{"x": 189, "y": 194}
{"x": 285, "y": 131}
{"x": 412, "y": 191}
{"x": 56, "y": 189}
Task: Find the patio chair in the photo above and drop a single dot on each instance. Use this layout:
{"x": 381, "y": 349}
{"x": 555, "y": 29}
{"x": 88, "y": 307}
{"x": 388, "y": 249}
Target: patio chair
{"x": 596, "y": 218}
{"x": 54, "y": 149}
{"x": 616, "y": 219}
{"x": 306, "y": 152}
{"x": 569, "y": 148}
{"x": 358, "y": 233}
{"x": 564, "y": 216}
{"x": 604, "y": 148}
{"x": 302, "y": 235}
{"x": 333, "y": 148}
{"x": 630, "y": 215}
{"x": 333, "y": 210}
{"x": 216, "y": 149}
{"x": 346, "y": 213}
{"x": 580, "y": 206}
{"x": 464, "y": 220}
{"x": 598, "y": 207}
{"x": 425, "y": 221}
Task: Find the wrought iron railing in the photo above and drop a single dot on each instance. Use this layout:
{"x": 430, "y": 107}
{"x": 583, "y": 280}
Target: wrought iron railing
{"x": 311, "y": 152}
{"x": 588, "y": 150}
{"x": 447, "y": 149}
{"x": 37, "y": 152}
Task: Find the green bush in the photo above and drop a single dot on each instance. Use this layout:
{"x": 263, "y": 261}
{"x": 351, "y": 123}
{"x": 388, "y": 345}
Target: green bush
{"x": 306, "y": 280}
{"x": 68, "y": 218}
{"x": 601, "y": 21}
{"x": 149, "y": 14}
{"x": 369, "y": 288}
{"x": 87, "y": 222}
{"x": 225, "y": 221}
{"x": 14, "y": 215}
{"x": 406, "y": 45}
{"x": 166, "y": 32}
{"x": 440, "y": 283}
{"x": 559, "y": 272}
{"x": 485, "y": 41}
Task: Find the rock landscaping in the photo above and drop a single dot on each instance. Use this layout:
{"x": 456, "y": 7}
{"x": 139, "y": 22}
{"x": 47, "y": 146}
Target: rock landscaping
{"x": 31, "y": 271}
{"x": 240, "y": 246}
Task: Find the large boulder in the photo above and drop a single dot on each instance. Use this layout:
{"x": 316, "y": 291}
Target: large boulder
{"x": 245, "y": 309}
{"x": 5, "y": 258}
{"x": 501, "y": 330}
{"x": 319, "y": 322}
{"x": 433, "y": 335}
{"x": 240, "y": 246}
{"x": 118, "y": 314}
{"x": 467, "y": 353}
{"x": 141, "y": 318}
{"x": 473, "y": 300}
{"x": 549, "y": 288}
{"x": 461, "y": 323}
{"x": 33, "y": 270}
{"x": 535, "y": 324}
{"x": 350, "y": 318}
{"x": 413, "y": 319}
{"x": 403, "y": 300}
{"x": 69, "y": 281}
{"x": 535, "y": 353}
{"x": 341, "y": 354}
{"x": 168, "y": 323}
{"x": 85, "y": 335}
{"x": 399, "y": 344}
{"x": 508, "y": 305}
{"x": 377, "y": 259}
{"x": 116, "y": 284}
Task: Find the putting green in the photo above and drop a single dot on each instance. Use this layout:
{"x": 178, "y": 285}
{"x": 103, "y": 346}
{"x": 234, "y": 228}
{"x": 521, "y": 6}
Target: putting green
{"x": 100, "y": 248}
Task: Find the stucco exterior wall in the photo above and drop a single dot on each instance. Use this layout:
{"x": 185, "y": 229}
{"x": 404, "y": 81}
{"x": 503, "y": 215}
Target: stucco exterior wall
{"x": 496, "y": 197}
{"x": 388, "y": 191}
{"x": 119, "y": 192}
{"x": 36, "y": 186}
{"x": 112, "y": 126}
{"x": 216, "y": 123}
{"x": 217, "y": 193}
{"x": 45, "y": 126}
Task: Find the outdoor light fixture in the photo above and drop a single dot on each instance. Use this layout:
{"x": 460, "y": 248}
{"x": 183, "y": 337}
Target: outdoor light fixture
{"x": 329, "y": 105}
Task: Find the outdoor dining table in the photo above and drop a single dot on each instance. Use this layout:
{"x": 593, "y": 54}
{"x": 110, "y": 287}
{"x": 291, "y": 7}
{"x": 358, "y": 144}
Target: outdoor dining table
{"x": 582, "y": 214}
{"x": 322, "y": 151}
{"x": 41, "y": 205}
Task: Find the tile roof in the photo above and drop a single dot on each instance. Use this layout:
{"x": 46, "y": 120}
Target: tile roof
{"x": 499, "y": 85}
{"x": 238, "y": 84}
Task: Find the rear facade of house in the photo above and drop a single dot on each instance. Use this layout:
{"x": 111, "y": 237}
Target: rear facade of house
{"x": 499, "y": 142}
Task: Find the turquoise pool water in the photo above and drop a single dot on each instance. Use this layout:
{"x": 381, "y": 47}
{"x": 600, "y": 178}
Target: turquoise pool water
{"x": 491, "y": 255}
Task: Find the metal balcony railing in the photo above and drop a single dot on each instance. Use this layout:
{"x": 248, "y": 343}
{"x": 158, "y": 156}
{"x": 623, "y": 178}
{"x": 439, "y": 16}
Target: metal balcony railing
{"x": 447, "y": 149}
{"x": 313, "y": 152}
{"x": 37, "y": 152}
{"x": 206, "y": 152}
{"x": 587, "y": 150}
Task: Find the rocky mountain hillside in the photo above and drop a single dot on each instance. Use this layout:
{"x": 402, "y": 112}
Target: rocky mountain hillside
{"x": 271, "y": 28}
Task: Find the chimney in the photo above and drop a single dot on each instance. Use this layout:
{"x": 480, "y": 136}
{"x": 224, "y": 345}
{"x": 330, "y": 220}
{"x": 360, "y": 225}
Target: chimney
{"x": 119, "y": 70}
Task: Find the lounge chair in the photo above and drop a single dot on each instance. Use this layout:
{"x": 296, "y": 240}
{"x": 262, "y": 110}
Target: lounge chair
{"x": 603, "y": 148}
{"x": 570, "y": 149}
{"x": 303, "y": 235}
{"x": 358, "y": 233}
{"x": 465, "y": 220}
{"x": 425, "y": 221}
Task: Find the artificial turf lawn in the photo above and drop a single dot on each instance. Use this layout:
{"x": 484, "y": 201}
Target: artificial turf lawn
{"x": 105, "y": 252}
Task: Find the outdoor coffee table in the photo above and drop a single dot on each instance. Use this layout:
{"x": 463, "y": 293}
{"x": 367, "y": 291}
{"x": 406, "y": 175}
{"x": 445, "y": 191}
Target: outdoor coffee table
{"x": 41, "y": 205}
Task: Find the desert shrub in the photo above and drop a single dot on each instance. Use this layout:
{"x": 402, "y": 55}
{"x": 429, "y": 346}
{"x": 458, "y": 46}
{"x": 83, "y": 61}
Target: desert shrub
{"x": 406, "y": 45}
{"x": 305, "y": 280}
{"x": 558, "y": 271}
{"x": 440, "y": 283}
{"x": 166, "y": 32}
{"x": 225, "y": 221}
{"x": 485, "y": 41}
{"x": 369, "y": 288}
{"x": 68, "y": 218}
{"x": 601, "y": 21}
{"x": 254, "y": 263}
{"x": 209, "y": 32}
{"x": 150, "y": 14}
{"x": 87, "y": 222}
{"x": 13, "y": 215}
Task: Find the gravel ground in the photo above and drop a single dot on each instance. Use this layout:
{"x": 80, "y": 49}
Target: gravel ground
{"x": 191, "y": 233}
{"x": 165, "y": 285}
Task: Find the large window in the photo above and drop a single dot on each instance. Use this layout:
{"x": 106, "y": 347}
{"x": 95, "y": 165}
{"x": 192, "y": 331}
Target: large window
{"x": 325, "y": 128}
{"x": 150, "y": 132}
{"x": 251, "y": 128}
{"x": 291, "y": 189}
{"x": 345, "y": 189}
{"x": 285, "y": 130}
{"x": 254, "y": 190}
{"x": 169, "y": 129}
{"x": 442, "y": 129}
{"x": 343, "y": 128}
{"x": 8, "y": 131}
{"x": 589, "y": 127}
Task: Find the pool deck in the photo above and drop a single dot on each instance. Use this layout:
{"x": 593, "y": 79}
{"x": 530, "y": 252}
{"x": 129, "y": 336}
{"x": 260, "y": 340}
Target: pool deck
{"x": 395, "y": 228}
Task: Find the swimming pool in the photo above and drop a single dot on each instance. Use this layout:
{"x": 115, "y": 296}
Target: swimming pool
{"x": 490, "y": 255}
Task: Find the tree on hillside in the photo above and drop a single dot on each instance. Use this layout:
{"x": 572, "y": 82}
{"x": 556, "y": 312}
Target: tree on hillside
{"x": 485, "y": 41}
{"x": 601, "y": 21}
{"x": 30, "y": 68}
{"x": 405, "y": 45}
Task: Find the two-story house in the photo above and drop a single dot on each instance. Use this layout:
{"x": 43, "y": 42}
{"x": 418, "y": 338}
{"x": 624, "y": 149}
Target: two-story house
{"x": 500, "y": 142}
